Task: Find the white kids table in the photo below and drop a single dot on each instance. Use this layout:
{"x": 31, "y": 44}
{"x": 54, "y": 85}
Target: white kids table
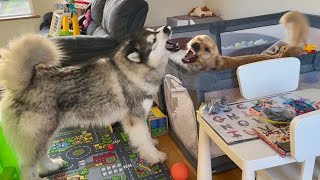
{"x": 249, "y": 156}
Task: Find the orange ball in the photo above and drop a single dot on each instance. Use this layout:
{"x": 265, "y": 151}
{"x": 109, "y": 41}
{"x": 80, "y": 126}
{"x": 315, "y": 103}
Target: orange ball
{"x": 179, "y": 171}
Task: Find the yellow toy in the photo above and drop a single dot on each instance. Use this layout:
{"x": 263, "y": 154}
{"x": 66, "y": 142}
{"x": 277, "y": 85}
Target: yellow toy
{"x": 62, "y": 18}
{"x": 310, "y": 48}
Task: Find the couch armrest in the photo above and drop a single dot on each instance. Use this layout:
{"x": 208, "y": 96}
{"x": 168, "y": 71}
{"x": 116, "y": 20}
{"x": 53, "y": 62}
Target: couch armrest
{"x": 124, "y": 17}
{"x": 82, "y": 49}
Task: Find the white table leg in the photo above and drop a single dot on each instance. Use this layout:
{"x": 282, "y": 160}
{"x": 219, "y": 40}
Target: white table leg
{"x": 248, "y": 175}
{"x": 204, "y": 158}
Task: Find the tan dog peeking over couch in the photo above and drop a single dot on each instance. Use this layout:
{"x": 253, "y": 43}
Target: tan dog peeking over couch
{"x": 203, "y": 53}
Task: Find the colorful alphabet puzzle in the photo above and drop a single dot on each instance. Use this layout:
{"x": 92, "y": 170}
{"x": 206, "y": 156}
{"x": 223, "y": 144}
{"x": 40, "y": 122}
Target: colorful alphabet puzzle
{"x": 237, "y": 125}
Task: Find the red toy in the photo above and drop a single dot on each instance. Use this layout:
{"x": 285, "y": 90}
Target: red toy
{"x": 180, "y": 171}
{"x": 110, "y": 147}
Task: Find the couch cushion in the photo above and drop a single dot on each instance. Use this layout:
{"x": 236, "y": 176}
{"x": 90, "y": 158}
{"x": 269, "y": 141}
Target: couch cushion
{"x": 121, "y": 17}
{"x": 97, "y": 10}
{"x": 93, "y": 25}
{"x": 99, "y": 31}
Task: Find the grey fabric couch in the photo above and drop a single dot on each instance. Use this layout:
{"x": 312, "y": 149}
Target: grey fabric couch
{"x": 112, "y": 21}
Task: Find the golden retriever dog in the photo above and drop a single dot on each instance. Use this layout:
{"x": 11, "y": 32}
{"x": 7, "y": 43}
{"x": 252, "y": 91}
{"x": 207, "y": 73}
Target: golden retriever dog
{"x": 203, "y": 54}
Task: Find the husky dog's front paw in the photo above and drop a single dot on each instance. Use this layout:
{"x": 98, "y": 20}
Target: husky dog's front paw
{"x": 155, "y": 142}
{"x": 60, "y": 162}
{"x": 154, "y": 157}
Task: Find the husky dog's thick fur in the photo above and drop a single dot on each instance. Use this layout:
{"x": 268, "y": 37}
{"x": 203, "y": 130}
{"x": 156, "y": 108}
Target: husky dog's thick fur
{"x": 40, "y": 97}
{"x": 203, "y": 52}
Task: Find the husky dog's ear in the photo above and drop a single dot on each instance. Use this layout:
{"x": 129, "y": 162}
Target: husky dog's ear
{"x": 134, "y": 56}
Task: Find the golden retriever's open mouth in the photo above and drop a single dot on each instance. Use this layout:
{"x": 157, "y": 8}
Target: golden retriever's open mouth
{"x": 190, "y": 57}
{"x": 174, "y": 47}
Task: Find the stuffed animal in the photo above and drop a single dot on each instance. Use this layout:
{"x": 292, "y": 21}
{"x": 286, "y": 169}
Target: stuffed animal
{"x": 201, "y": 12}
{"x": 87, "y": 20}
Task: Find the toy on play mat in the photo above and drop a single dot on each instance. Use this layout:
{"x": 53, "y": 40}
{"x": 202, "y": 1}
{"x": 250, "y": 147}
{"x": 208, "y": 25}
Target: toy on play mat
{"x": 180, "y": 171}
{"x": 216, "y": 105}
{"x": 61, "y": 18}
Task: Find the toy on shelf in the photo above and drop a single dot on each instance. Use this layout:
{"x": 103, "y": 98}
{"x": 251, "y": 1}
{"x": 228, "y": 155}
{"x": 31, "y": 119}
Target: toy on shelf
{"x": 62, "y": 18}
{"x": 180, "y": 171}
{"x": 157, "y": 122}
{"x": 201, "y": 12}
{"x": 310, "y": 48}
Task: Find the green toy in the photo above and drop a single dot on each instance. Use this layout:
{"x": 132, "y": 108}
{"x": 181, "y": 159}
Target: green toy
{"x": 9, "y": 168}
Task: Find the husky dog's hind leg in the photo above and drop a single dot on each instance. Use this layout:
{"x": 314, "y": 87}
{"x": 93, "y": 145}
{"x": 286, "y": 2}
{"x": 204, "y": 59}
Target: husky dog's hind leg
{"x": 28, "y": 122}
{"x": 29, "y": 134}
{"x": 47, "y": 165}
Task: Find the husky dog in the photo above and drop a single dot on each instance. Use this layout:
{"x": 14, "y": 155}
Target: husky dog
{"x": 203, "y": 53}
{"x": 40, "y": 97}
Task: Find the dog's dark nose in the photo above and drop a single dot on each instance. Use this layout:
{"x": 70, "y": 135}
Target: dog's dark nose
{"x": 167, "y": 30}
{"x": 196, "y": 46}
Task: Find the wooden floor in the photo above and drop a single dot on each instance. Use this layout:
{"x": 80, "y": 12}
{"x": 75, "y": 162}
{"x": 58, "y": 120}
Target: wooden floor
{"x": 167, "y": 145}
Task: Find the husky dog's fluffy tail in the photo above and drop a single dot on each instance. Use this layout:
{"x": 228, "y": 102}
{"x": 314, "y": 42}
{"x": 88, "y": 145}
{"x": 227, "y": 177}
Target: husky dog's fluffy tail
{"x": 297, "y": 27}
{"x": 18, "y": 60}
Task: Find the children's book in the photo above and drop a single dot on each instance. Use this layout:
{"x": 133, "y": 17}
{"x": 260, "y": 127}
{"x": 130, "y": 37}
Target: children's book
{"x": 277, "y": 138}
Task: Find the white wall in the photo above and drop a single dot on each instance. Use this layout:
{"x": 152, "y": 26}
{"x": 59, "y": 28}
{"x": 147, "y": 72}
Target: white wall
{"x": 159, "y": 10}
{"x": 10, "y": 29}
{"x": 232, "y": 9}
